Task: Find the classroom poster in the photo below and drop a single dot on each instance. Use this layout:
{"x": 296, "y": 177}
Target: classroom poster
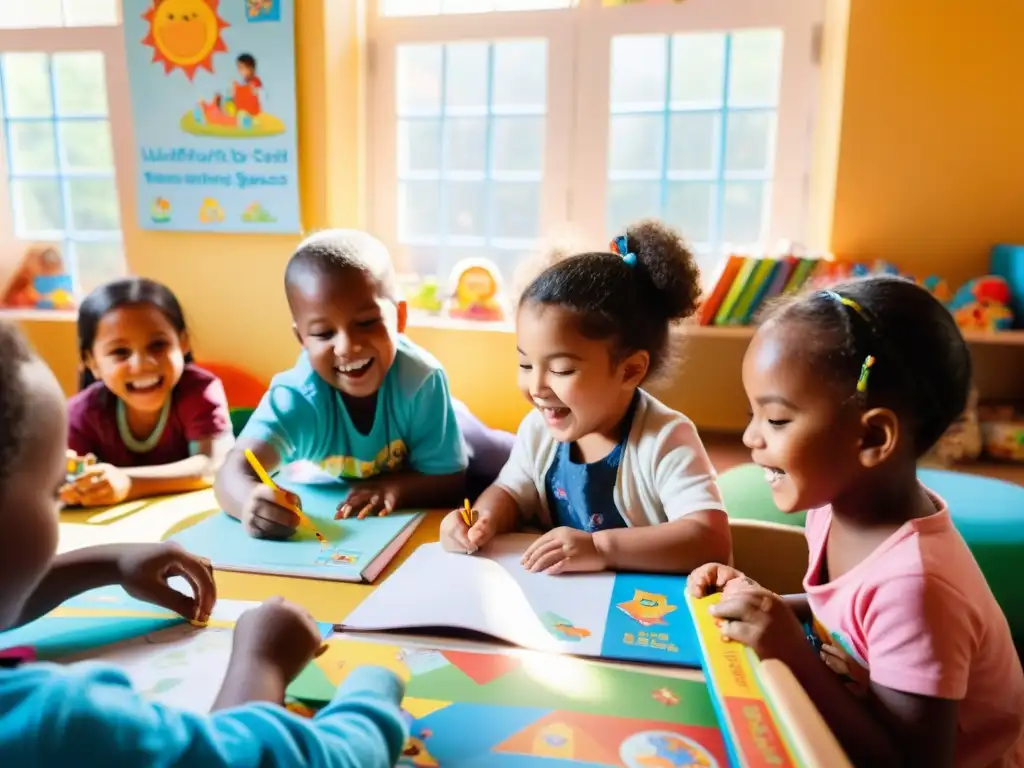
{"x": 212, "y": 86}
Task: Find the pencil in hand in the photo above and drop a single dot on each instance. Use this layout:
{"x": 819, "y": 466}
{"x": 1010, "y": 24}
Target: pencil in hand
{"x": 268, "y": 481}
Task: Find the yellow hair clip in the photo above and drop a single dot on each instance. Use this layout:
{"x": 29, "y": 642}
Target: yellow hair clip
{"x": 865, "y": 370}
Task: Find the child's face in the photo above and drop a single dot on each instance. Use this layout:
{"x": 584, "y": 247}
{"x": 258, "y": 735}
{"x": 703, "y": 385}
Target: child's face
{"x": 804, "y": 433}
{"x": 245, "y": 71}
{"x": 138, "y": 355}
{"x": 347, "y": 328}
{"x": 569, "y": 378}
{"x": 28, "y": 502}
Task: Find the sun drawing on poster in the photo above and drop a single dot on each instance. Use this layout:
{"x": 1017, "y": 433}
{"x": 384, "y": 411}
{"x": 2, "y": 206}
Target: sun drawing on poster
{"x": 184, "y": 34}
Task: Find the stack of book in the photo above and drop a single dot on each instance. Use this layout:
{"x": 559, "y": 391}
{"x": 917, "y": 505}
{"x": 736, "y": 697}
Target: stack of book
{"x": 745, "y": 283}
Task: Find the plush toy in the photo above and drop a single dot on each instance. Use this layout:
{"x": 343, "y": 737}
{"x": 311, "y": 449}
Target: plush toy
{"x": 983, "y": 304}
{"x": 41, "y": 282}
{"x": 476, "y": 292}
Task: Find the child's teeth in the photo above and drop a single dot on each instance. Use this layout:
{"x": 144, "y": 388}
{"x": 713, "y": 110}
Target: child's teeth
{"x": 354, "y": 366}
{"x": 146, "y": 383}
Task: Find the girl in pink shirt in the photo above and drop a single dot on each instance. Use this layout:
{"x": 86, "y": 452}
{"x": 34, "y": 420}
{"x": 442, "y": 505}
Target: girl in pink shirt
{"x": 153, "y": 421}
{"x": 913, "y": 663}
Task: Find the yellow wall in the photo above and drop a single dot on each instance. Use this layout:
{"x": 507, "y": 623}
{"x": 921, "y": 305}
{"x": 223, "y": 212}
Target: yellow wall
{"x": 922, "y": 162}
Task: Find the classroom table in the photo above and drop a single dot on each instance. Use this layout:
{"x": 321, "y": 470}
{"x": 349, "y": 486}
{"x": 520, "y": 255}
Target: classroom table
{"x": 153, "y": 520}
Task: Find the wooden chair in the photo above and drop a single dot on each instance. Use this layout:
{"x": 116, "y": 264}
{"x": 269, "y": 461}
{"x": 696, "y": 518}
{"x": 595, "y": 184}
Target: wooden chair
{"x": 773, "y": 555}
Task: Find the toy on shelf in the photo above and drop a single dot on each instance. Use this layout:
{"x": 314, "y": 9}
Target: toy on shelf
{"x": 40, "y": 282}
{"x": 983, "y": 304}
{"x": 937, "y": 287}
{"x": 427, "y": 297}
{"x": 475, "y": 291}
{"x": 1002, "y": 428}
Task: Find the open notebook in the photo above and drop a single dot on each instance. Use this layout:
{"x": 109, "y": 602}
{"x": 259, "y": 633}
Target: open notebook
{"x": 623, "y": 616}
{"x": 357, "y": 550}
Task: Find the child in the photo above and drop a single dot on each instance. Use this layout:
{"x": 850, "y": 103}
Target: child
{"x": 155, "y": 422}
{"x": 88, "y": 714}
{"x": 246, "y": 94}
{"x": 848, "y": 388}
{"x": 363, "y": 402}
{"x": 624, "y": 480}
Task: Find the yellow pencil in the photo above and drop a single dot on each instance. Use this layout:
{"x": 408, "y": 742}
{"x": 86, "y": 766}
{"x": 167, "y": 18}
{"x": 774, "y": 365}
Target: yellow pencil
{"x": 467, "y": 514}
{"x": 269, "y": 482}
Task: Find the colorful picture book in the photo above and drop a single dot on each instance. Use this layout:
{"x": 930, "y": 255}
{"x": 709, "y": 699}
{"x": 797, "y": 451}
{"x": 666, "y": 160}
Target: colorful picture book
{"x": 633, "y": 617}
{"x": 355, "y": 550}
{"x": 755, "y": 737}
{"x": 744, "y": 283}
{"x": 471, "y": 709}
{"x": 166, "y": 658}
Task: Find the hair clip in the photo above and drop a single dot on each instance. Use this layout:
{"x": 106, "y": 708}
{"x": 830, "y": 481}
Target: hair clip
{"x": 620, "y": 246}
{"x": 845, "y": 301}
{"x": 865, "y": 370}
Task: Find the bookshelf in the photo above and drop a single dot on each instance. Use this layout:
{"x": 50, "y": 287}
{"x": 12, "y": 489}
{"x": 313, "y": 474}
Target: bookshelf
{"x": 999, "y": 338}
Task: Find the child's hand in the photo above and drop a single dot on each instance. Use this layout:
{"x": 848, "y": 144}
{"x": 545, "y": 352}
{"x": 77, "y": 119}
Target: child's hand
{"x": 278, "y": 634}
{"x": 99, "y": 486}
{"x": 367, "y": 498}
{"x": 715, "y": 577}
{"x": 761, "y": 621}
{"x": 456, "y": 536}
{"x": 144, "y": 570}
{"x": 563, "y": 550}
{"x": 269, "y": 513}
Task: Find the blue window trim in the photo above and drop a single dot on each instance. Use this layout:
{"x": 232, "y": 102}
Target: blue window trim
{"x": 68, "y": 236}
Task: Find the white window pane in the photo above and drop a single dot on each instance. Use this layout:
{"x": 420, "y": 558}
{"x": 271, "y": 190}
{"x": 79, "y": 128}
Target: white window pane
{"x": 516, "y": 208}
{"x": 418, "y": 79}
{"x": 419, "y": 145}
{"x": 419, "y": 209}
{"x": 81, "y": 13}
{"x": 530, "y": 5}
{"x": 749, "y": 138}
{"x": 93, "y": 205}
{"x": 465, "y": 144}
{"x": 743, "y": 212}
{"x": 466, "y": 75}
{"x": 688, "y": 207}
{"x": 693, "y": 141}
{"x": 37, "y": 206}
{"x": 520, "y": 74}
{"x": 698, "y": 69}
{"x": 80, "y": 83}
{"x": 508, "y": 262}
{"x": 26, "y": 81}
{"x": 32, "y": 147}
{"x": 422, "y": 261}
{"x": 98, "y": 263}
{"x": 21, "y": 14}
{"x": 755, "y": 67}
{"x": 467, "y": 208}
{"x": 639, "y": 71}
{"x": 86, "y": 145}
{"x": 635, "y": 142}
{"x": 465, "y": 6}
{"x": 631, "y": 200}
{"x": 518, "y": 144}
{"x": 409, "y": 7}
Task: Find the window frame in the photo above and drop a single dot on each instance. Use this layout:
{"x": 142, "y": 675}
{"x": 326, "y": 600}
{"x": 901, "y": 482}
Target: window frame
{"x": 574, "y": 185}
{"x": 109, "y": 41}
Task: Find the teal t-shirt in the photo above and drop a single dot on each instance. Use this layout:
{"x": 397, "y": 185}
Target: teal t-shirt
{"x": 305, "y": 419}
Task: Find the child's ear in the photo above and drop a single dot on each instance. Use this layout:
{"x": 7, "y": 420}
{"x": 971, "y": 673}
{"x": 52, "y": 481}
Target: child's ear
{"x": 90, "y": 362}
{"x": 881, "y": 436}
{"x": 185, "y": 342}
{"x": 635, "y": 367}
{"x": 403, "y": 315}
{"x": 295, "y": 331}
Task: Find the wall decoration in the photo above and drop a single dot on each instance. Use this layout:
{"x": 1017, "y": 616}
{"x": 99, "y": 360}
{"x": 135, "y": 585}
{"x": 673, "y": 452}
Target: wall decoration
{"x": 212, "y": 86}
{"x": 41, "y": 281}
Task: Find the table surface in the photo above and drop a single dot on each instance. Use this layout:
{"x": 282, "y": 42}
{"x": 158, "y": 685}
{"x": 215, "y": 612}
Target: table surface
{"x": 154, "y": 520}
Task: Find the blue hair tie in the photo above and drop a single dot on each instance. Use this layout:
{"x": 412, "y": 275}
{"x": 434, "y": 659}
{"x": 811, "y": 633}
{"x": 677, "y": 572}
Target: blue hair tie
{"x": 620, "y": 247}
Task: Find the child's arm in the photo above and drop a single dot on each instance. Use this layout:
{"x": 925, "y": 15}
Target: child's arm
{"x": 142, "y": 568}
{"x": 192, "y": 474}
{"x": 675, "y": 547}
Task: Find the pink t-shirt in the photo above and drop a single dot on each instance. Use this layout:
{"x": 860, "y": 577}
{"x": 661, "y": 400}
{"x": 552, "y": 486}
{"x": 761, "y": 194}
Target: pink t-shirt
{"x": 917, "y": 616}
{"x": 199, "y": 411}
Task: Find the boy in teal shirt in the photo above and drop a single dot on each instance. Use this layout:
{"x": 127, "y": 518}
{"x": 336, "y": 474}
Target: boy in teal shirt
{"x": 363, "y": 402}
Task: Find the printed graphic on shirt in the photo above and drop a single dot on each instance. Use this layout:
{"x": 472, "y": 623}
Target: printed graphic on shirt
{"x": 389, "y": 459}
{"x": 839, "y": 655}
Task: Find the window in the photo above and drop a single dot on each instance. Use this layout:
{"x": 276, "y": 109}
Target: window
{"x": 58, "y": 156}
{"x": 498, "y": 125}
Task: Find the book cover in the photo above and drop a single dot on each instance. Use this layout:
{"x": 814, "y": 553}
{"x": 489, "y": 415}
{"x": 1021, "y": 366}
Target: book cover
{"x": 736, "y": 290}
{"x": 751, "y": 296}
{"x": 621, "y": 616}
{"x": 355, "y": 551}
{"x": 727, "y": 274}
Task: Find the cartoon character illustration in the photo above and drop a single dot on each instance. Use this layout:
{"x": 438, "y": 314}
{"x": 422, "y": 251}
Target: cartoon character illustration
{"x": 41, "y": 282}
{"x": 210, "y": 212}
{"x": 664, "y": 749}
{"x": 562, "y": 628}
{"x": 160, "y": 211}
{"x": 255, "y": 213}
{"x": 184, "y": 34}
{"x": 262, "y": 10}
{"x": 647, "y": 608}
{"x": 476, "y": 292}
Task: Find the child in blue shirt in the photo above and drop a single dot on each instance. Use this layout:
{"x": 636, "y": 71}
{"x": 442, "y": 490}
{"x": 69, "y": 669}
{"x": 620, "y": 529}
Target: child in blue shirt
{"x": 362, "y": 402}
{"x": 87, "y": 714}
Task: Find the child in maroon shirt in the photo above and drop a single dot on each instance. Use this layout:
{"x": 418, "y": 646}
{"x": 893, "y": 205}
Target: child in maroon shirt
{"x": 155, "y": 422}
